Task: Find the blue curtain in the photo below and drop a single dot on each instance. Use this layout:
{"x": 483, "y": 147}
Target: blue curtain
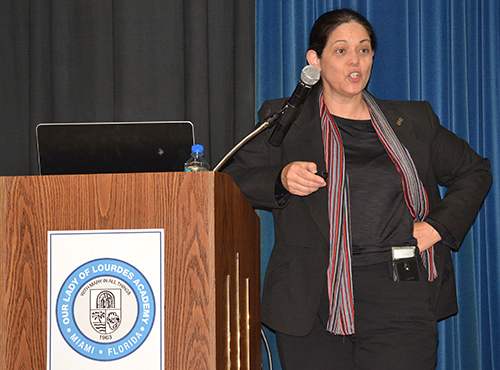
{"x": 446, "y": 52}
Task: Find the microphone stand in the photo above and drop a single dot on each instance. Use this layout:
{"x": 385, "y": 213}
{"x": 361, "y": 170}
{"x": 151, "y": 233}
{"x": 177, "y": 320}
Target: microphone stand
{"x": 268, "y": 122}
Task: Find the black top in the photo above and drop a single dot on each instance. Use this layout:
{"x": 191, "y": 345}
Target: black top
{"x": 380, "y": 218}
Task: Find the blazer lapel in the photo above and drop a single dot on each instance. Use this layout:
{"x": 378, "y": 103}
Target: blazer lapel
{"x": 305, "y": 143}
{"x": 404, "y": 128}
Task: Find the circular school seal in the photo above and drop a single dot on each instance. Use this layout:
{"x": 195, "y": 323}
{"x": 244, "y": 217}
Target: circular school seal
{"x": 105, "y": 309}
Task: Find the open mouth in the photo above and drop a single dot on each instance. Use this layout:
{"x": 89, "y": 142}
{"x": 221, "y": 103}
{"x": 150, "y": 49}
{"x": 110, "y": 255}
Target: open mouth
{"x": 354, "y": 75}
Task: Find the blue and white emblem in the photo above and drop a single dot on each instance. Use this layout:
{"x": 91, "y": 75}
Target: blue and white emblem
{"x": 105, "y": 309}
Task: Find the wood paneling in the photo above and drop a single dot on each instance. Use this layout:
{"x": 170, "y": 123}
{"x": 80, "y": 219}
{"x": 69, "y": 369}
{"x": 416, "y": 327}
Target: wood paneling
{"x": 211, "y": 253}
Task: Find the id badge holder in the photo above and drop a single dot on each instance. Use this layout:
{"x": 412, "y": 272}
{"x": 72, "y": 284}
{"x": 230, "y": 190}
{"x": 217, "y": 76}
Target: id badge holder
{"x": 405, "y": 264}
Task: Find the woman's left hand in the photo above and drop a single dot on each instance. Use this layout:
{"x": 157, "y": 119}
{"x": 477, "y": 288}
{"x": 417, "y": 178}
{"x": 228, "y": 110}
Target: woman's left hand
{"x": 425, "y": 234}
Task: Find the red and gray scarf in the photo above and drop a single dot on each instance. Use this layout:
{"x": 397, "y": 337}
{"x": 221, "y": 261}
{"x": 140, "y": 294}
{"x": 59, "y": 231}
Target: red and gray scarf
{"x": 340, "y": 291}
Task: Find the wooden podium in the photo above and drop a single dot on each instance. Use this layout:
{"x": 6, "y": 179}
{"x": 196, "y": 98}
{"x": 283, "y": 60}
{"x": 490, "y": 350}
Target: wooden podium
{"x": 212, "y": 263}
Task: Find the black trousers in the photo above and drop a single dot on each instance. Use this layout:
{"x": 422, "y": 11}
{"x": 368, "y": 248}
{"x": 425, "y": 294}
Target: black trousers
{"x": 394, "y": 323}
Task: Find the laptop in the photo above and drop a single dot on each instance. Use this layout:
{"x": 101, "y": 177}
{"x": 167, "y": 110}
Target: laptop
{"x": 113, "y": 147}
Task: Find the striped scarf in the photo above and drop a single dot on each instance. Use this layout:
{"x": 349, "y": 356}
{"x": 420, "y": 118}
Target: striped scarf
{"x": 340, "y": 291}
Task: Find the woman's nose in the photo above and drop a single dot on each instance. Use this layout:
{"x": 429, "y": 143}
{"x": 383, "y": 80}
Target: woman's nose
{"x": 354, "y": 59}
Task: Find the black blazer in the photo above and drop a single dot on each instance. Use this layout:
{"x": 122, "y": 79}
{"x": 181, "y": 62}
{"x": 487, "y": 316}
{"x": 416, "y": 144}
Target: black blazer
{"x": 296, "y": 273}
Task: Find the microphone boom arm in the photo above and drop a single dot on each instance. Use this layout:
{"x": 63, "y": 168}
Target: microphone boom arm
{"x": 268, "y": 122}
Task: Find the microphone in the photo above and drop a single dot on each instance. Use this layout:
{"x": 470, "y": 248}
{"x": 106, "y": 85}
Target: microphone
{"x": 308, "y": 78}
{"x": 284, "y": 118}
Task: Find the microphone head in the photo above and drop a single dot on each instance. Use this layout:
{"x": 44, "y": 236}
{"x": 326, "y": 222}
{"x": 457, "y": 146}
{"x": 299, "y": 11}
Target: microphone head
{"x": 310, "y": 75}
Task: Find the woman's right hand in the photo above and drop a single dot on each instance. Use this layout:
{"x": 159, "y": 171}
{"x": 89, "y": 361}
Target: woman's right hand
{"x": 300, "y": 178}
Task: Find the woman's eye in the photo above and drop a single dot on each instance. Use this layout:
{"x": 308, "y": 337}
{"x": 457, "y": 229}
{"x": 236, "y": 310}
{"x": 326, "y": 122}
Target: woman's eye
{"x": 340, "y": 51}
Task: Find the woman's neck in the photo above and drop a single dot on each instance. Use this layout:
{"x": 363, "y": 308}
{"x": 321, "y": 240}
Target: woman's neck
{"x": 354, "y": 108}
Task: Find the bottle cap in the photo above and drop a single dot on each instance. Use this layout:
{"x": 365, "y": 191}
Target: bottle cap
{"x": 197, "y": 148}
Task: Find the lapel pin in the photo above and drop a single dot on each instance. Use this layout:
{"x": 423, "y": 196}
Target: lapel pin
{"x": 399, "y": 122}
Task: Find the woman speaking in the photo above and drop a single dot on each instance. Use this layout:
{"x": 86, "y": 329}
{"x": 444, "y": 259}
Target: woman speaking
{"x": 361, "y": 269}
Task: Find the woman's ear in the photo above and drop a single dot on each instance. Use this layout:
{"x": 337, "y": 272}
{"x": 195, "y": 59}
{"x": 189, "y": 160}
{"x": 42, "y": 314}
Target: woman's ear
{"x": 313, "y": 59}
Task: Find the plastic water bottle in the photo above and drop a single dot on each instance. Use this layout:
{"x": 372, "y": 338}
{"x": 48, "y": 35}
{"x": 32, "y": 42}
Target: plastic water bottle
{"x": 197, "y": 160}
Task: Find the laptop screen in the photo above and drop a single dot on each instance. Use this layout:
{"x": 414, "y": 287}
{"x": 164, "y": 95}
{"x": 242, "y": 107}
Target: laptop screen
{"x": 113, "y": 147}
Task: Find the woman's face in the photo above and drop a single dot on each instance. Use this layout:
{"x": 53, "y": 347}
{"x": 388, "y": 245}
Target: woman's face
{"x": 346, "y": 61}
